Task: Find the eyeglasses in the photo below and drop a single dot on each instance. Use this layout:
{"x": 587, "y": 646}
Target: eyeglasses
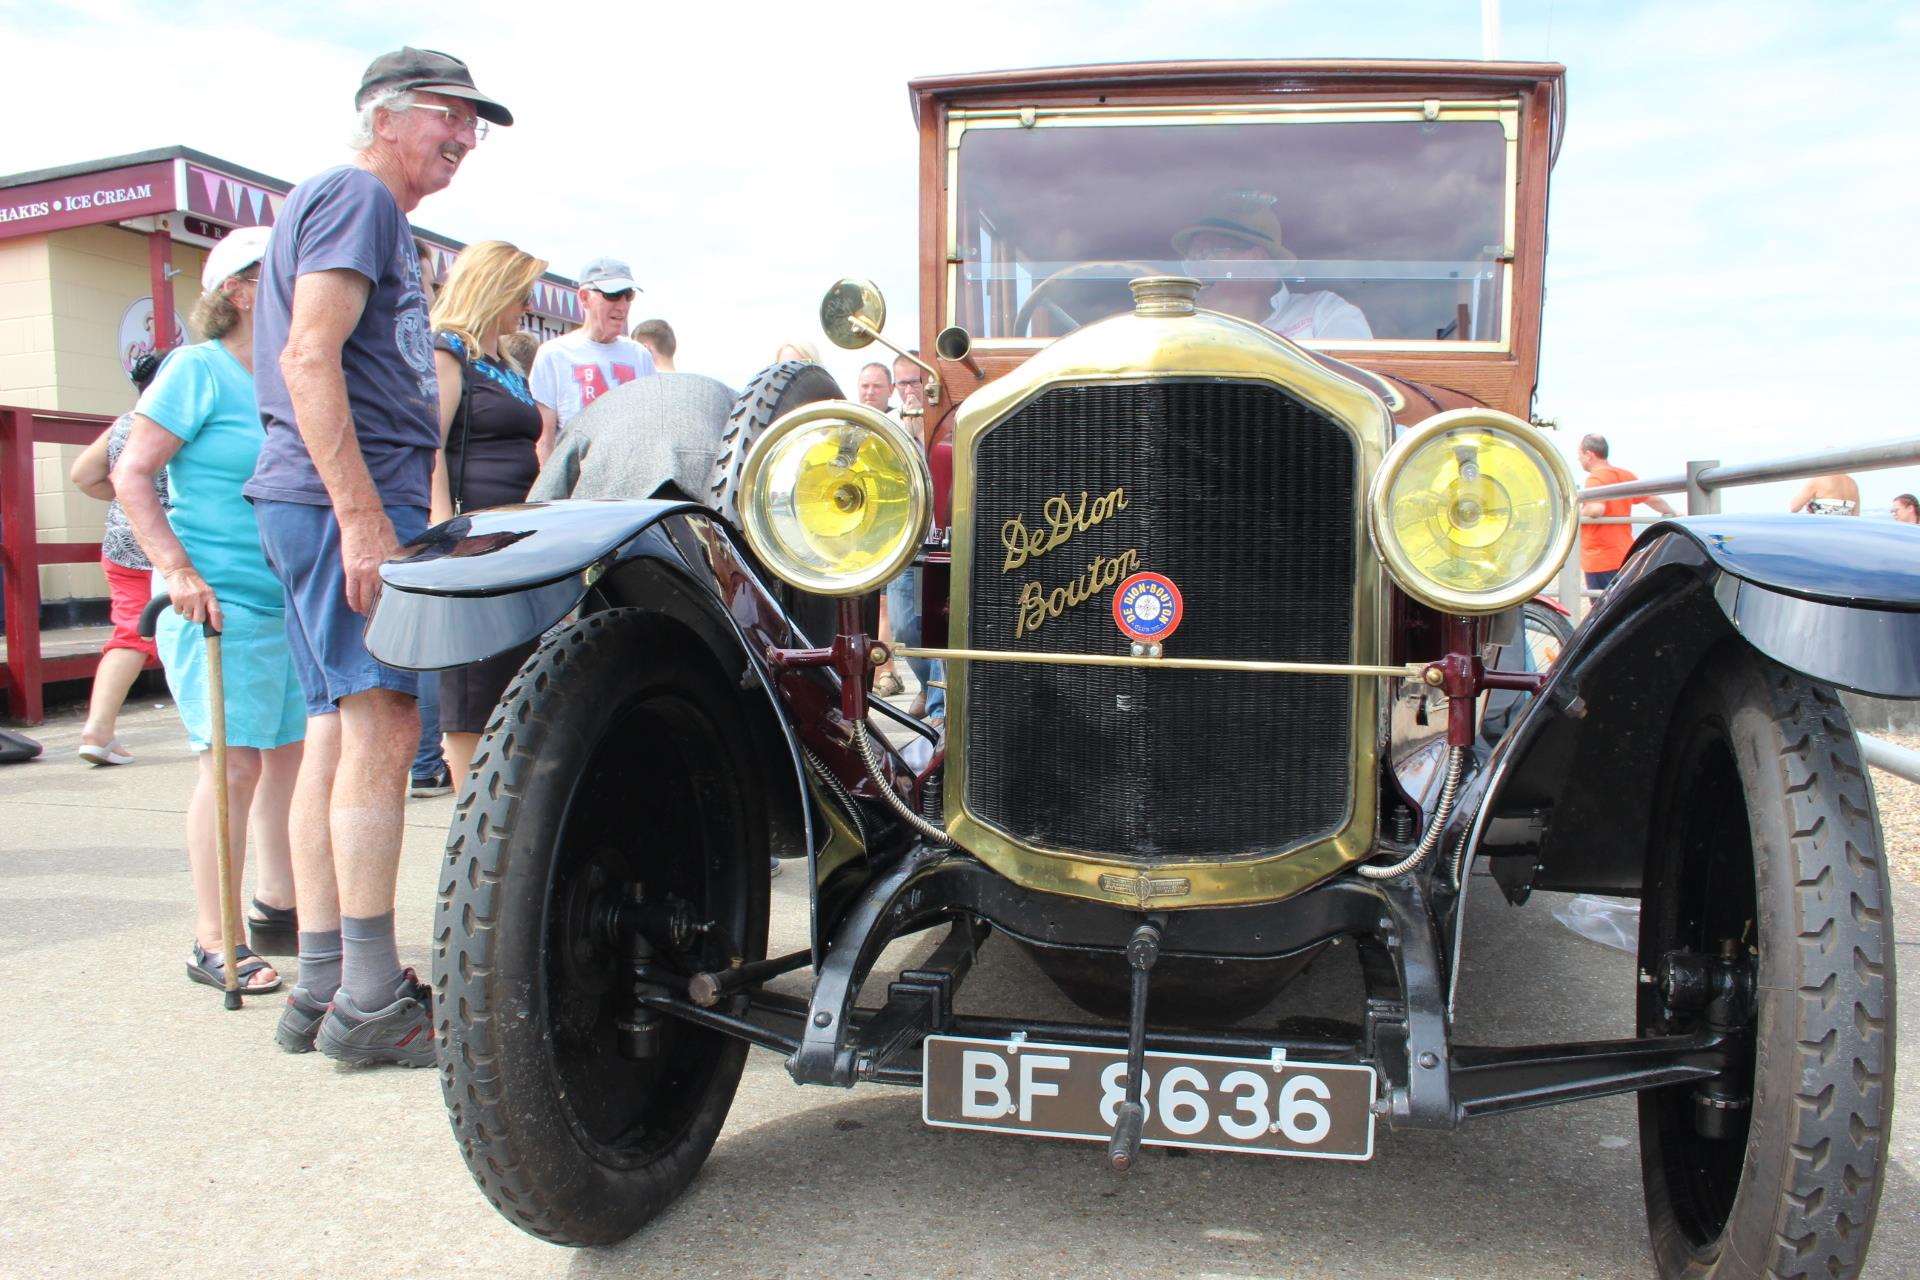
{"x": 625, "y": 295}
{"x": 914, "y": 381}
{"x": 456, "y": 120}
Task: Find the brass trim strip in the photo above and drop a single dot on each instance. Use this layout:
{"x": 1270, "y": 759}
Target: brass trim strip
{"x": 1411, "y": 671}
{"x": 1031, "y": 117}
{"x": 1359, "y": 346}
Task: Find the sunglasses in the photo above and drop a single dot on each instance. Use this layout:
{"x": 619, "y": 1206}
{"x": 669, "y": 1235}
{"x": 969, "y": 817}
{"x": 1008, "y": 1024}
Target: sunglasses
{"x": 625, "y": 295}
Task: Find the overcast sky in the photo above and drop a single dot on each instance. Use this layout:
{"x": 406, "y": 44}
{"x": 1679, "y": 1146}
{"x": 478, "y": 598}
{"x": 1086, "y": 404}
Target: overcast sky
{"x": 1734, "y": 216}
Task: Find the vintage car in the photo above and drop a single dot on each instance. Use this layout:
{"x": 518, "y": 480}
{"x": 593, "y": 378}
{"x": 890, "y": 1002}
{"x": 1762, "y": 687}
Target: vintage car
{"x": 1231, "y": 507}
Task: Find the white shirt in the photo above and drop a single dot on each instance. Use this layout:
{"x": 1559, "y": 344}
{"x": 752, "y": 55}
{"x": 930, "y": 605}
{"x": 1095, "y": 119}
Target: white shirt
{"x": 1320, "y": 314}
{"x": 571, "y": 371}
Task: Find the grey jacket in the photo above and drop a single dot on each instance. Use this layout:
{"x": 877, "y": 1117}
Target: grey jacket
{"x": 637, "y": 437}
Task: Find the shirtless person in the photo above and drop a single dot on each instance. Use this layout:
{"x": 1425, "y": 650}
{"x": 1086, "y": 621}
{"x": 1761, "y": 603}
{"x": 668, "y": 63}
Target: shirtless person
{"x": 1834, "y": 495}
{"x": 1241, "y": 226}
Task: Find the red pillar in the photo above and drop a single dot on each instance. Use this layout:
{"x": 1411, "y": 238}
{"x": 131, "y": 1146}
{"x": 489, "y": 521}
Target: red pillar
{"x": 19, "y": 558}
{"x": 160, "y": 273}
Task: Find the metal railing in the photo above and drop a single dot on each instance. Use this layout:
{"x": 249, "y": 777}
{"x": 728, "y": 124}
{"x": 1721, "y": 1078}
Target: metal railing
{"x": 1702, "y": 483}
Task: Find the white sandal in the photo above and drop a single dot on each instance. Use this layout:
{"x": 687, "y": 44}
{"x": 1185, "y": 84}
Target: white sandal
{"x": 110, "y": 753}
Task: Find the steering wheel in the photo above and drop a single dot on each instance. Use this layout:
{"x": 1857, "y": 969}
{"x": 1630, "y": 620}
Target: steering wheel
{"x": 1066, "y": 275}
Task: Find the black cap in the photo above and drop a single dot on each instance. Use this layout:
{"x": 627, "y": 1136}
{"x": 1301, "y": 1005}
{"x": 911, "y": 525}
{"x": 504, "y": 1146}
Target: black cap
{"x": 433, "y": 71}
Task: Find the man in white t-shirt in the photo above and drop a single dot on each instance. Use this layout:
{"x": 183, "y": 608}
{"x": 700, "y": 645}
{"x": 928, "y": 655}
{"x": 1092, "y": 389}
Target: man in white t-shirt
{"x": 573, "y": 370}
{"x": 1241, "y": 226}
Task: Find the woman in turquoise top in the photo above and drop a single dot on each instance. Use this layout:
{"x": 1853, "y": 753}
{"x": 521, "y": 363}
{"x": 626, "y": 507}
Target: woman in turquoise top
{"x": 198, "y": 419}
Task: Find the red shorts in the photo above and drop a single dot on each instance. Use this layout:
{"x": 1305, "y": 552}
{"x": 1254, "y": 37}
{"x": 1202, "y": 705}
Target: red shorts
{"x": 128, "y": 590}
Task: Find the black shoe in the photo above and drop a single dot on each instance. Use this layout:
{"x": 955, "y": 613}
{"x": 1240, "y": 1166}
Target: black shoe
{"x": 437, "y": 783}
{"x": 401, "y": 1033}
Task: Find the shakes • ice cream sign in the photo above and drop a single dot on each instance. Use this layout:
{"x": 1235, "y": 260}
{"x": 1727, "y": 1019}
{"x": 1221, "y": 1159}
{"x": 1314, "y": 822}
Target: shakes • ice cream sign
{"x": 86, "y": 198}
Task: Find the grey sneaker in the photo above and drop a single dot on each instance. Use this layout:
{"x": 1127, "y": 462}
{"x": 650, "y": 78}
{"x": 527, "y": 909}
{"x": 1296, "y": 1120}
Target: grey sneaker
{"x": 438, "y": 783}
{"x": 401, "y": 1033}
{"x": 299, "y": 1021}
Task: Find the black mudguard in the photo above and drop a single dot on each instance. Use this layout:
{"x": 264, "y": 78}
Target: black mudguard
{"x": 487, "y": 581}
{"x": 1565, "y": 798}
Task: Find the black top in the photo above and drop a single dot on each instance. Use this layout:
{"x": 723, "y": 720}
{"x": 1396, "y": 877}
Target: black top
{"x": 495, "y": 428}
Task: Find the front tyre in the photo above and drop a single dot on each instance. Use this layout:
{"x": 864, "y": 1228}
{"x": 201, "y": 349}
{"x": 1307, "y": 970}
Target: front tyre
{"x": 615, "y": 776}
{"x": 1766, "y": 870}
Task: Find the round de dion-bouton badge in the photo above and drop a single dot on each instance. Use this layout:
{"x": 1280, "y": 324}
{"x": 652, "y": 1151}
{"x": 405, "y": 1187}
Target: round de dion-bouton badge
{"x": 1147, "y": 607}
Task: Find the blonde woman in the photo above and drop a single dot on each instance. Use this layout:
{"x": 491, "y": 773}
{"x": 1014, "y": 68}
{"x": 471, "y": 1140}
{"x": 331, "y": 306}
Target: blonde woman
{"x": 489, "y": 425}
{"x": 198, "y": 420}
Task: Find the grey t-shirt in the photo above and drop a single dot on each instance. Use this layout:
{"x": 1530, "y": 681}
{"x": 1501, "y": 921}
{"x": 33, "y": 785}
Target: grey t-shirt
{"x": 346, "y": 218}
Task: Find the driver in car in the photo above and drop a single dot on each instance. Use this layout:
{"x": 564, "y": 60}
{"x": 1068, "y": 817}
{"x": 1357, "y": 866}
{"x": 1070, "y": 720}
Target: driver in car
{"x": 1241, "y": 226}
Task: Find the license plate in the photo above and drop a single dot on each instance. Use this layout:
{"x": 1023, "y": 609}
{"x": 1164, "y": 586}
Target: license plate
{"x": 1271, "y": 1105}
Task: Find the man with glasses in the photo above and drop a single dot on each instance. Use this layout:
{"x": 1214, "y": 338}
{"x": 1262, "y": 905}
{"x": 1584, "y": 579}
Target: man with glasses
{"x": 343, "y": 371}
{"x": 575, "y": 369}
{"x": 909, "y": 383}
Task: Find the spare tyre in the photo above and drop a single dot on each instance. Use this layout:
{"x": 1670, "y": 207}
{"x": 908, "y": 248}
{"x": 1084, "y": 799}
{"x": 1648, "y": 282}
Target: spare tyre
{"x": 776, "y": 390}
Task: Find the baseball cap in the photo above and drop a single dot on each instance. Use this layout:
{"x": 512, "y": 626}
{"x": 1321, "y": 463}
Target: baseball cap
{"x": 242, "y": 248}
{"x": 433, "y": 71}
{"x": 608, "y": 275}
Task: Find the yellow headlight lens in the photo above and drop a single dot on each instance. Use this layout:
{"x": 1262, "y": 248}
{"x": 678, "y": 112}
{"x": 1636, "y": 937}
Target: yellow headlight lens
{"x": 1473, "y": 511}
{"x": 836, "y": 498}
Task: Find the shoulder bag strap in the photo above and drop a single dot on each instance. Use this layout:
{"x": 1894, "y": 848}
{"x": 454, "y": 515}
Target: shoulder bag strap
{"x": 466, "y": 427}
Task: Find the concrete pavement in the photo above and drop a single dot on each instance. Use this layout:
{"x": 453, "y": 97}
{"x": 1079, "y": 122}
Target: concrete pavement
{"x": 145, "y": 1132}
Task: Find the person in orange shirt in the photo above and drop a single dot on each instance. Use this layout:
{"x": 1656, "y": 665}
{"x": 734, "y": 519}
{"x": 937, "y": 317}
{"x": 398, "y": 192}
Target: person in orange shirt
{"x": 1603, "y": 547}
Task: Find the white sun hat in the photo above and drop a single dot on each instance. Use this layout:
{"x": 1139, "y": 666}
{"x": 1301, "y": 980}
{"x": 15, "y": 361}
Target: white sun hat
{"x": 242, "y": 248}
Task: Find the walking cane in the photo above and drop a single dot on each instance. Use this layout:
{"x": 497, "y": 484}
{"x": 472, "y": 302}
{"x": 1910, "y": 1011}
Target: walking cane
{"x": 223, "y": 838}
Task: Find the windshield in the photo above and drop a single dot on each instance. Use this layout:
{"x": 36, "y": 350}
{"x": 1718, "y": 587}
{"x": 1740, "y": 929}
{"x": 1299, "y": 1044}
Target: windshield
{"x": 1391, "y": 227}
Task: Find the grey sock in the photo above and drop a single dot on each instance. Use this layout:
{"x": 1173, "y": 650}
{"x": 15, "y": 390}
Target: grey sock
{"x": 370, "y": 973}
{"x": 320, "y": 964}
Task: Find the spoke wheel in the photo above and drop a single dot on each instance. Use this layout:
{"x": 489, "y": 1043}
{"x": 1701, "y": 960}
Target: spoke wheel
{"x": 1547, "y": 632}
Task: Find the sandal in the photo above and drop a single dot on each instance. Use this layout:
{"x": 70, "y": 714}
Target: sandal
{"x": 205, "y": 968}
{"x": 274, "y": 931}
{"x": 104, "y": 753}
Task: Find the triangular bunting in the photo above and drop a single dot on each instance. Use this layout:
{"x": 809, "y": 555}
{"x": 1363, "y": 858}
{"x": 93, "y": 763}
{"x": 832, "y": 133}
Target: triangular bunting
{"x": 256, "y": 198}
{"x": 274, "y": 202}
{"x": 210, "y": 182}
{"x": 233, "y": 194}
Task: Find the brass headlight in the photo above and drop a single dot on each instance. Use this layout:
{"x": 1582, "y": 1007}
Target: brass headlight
{"x": 1473, "y": 511}
{"x": 835, "y": 498}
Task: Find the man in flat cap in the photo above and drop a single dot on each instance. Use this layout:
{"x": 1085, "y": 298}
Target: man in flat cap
{"x": 1241, "y": 227}
{"x": 343, "y": 369}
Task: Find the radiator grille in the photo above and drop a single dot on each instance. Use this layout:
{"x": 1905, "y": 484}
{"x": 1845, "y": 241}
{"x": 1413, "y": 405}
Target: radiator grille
{"x": 1245, "y": 498}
